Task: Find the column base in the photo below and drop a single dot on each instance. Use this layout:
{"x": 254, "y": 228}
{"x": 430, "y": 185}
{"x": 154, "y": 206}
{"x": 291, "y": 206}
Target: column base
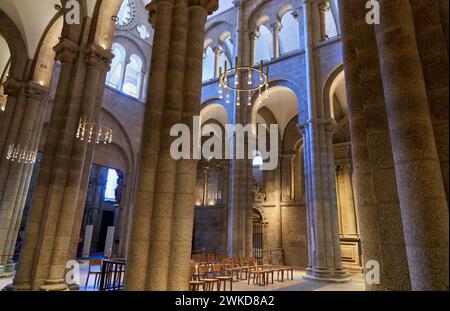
{"x": 17, "y": 287}
{"x": 327, "y": 275}
{"x": 54, "y": 285}
{"x": 11, "y": 267}
{"x": 7, "y": 274}
{"x": 74, "y": 287}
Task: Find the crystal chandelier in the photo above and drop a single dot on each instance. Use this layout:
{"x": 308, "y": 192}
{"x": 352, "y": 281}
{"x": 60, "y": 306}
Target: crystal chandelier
{"x": 94, "y": 132}
{"x": 256, "y": 81}
{"x": 21, "y": 154}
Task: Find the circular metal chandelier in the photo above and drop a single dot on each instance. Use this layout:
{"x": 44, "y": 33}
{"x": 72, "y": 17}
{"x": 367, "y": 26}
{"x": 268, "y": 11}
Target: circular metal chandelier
{"x": 94, "y": 132}
{"x": 256, "y": 81}
{"x": 21, "y": 154}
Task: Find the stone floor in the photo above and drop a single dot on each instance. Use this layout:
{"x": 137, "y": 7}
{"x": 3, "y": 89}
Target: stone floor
{"x": 298, "y": 284}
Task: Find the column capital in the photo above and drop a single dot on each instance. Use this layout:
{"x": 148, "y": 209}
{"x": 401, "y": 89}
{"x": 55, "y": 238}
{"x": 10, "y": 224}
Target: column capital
{"x": 254, "y": 35}
{"x": 151, "y": 8}
{"x": 209, "y": 5}
{"x": 12, "y": 87}
{"x": 35, "y": 91}
{"x": 98, "y": 56}
{"x": 324, "y": 6}
{"x": 276, "y": 26}
{"x": 218, "y": 50}
{"x": 66, "y": 51}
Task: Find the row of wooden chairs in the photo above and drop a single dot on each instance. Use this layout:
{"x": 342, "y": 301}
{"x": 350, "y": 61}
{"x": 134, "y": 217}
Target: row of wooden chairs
{"x": 262, "y": 272}
{"x": 206, "y": 277}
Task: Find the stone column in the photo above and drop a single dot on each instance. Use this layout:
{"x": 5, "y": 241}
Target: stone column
{"x": 160, "y": 13}
{"x": 225, "y": 198}
{"x": 218, "y": 51}
{"x": 205, "y": 186}
{"x": 123, "y": 74}
{"x": 324, "y": 7}
{"x": 322, "y": 219}
{"x": 183, "y": 209}
{"x": 97, "y": 60}
{"x": 24, "y": 183}
{"x": 394, "y": 272}
{"x": 140, "y": 85}
{"x": 158, "y": 267}
{"x": 301, "y": 28}
{"x": 65, "y": 52}
{"x": 364, "y": 186}
{"x": 253, "y": 37}
{"x": 347, "y": 213}
{"x": 16, "y": 174}
{"x": 12, "y": 88}
{"x": 430, "y": 36}
{"x": 443, "y": 13}
{"x": 276, "y": 28}
{"x": 419, "y": 178}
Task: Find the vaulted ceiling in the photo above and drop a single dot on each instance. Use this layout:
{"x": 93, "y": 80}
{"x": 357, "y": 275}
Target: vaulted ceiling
{"x": 32, "y": 17}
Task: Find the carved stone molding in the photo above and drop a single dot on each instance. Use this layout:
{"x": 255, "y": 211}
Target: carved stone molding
{"x": 276, "y": 27}
{"x": 218, "y": 50}
{"x": 66, "y": 51}
{"x": 12, "y": 87}
{"x": 324, "y": 6}
{"x": 151, "y": 8}
{"x": 209, "y": 5}
{"x": 36, "y": 92}
{"x": 98, "y": 56}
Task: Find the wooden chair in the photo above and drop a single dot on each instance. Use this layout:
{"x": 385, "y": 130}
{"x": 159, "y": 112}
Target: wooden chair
{"x": 259, "y": 276}
{"x": 194, "y": 286}
{"x": 244, "y": 267}
{"x": 203, "y": 275}
{"x": 194, "y": 272}
{"x": 276, "y": 268}
{"x": 218, "y": 273}
{"x": 95, "y": 268}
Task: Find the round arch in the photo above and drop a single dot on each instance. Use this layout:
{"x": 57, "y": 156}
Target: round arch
{"x": 335, "y": 77}
{"x": 16, "y": 44}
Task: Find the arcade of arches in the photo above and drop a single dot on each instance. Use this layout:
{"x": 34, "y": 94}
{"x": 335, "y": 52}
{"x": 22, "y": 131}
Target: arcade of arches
{"x": 361, "y": 181}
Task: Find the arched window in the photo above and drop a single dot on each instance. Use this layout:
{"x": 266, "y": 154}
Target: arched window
{"x": 257, "y": 159}
{"x": 257, "y": 164}
{"x": 111, "y": 185}
{"x": 229, "y": 45}
{"x": 264, "y": 45}
{"x": 124, "y": 16}
{"x": 208, "y": 64}
{"x": 331, "y": 24}
{"x": 114, "y": 76}
{"x": 133, "y": 75}
{"x": 289, "y": 36}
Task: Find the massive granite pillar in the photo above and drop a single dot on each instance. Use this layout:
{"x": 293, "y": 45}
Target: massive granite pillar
{"x": 431, "y": 43}
{"x": 376, "y": 188}
{"x": 13, "y": 110}
{"x": 39, "y": 97}
{"x": 16, "y": 173}
{"x": 418, "y": 172}
{"x": 49, "y": 229}
{"x": 163, "y": 216}
{"x": 96, "y": 60}
{"x": 323, "y": 231}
